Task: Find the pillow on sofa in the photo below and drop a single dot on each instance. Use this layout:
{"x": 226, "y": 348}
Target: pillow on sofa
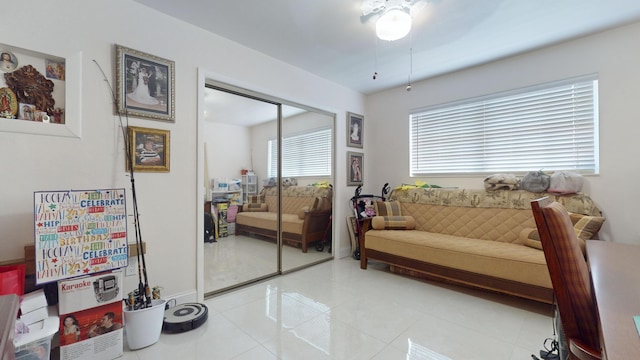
{"x": 255, "y": 199}
{"x": 536, "y": 244}
{"x": 302, "y": 212}
{"x": 321, "y": 203}
{"x": 586, "y": 227}
{"x": 388, "y": 208}
{"x": 393, "y": 223}
{"x": 533, "y": 239}
{"x": 255, "y": 207}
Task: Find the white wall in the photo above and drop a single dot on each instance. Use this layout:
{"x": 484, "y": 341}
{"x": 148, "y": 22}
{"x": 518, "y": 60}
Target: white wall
{"x": 169, "y": 202}
{"x": 228, "y": 150}
{"x": 613, "y": 55}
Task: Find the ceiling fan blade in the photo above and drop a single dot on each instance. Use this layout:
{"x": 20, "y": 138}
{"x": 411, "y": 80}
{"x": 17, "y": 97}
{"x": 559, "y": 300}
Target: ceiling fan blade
{"x": 371, "y": 8}
{"x": 364, "y": 18}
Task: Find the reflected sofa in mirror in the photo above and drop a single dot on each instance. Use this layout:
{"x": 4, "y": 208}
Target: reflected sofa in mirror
{"x": 241, "y": 145}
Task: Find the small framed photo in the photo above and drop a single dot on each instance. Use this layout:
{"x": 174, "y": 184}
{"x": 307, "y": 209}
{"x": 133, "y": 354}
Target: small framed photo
{"x": 149, "y": 149}
{"x": 55, "y": 69}
{"x": 8, "y": 61}
{"x": 144, "y": 85}
{"x": 27, "y": 112}
{"x": 355, "y": 168}
{"x": 355, "y": 130}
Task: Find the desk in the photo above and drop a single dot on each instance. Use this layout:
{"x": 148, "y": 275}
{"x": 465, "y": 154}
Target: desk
{"x": 615, "y": 272}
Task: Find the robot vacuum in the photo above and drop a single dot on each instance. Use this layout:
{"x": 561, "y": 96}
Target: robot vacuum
{"x": 184, "y": 317}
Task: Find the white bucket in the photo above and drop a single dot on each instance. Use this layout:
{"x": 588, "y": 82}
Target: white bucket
{"x": 143, "y": 327}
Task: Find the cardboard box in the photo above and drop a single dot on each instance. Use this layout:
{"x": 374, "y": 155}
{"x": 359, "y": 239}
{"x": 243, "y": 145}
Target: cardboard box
{"x": 95, "y": 304}
{"x": 32, "y": 301}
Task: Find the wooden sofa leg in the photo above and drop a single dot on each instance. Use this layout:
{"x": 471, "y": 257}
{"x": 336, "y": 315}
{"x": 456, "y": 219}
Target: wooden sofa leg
{"x": 363, "y": 260}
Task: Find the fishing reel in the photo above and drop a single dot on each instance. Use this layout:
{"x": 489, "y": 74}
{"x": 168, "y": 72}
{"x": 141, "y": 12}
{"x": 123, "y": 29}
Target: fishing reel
{"x": 137, "y": 300}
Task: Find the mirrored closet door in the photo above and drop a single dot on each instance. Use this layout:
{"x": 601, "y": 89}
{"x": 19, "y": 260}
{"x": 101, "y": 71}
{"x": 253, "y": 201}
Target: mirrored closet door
{"x": 270, "y": 213}
{"x": 306, "y": 170}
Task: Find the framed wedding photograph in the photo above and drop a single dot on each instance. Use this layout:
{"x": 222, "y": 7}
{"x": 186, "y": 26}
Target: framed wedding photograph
{"x": 149, "y": 149}
{"x": 355, "y": 168}
{"x": 355, "y": 130}
{"x": 144, "y": 85}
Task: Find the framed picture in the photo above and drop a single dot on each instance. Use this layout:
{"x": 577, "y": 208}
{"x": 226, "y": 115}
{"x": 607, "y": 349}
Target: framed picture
{"x": 355, "y": 168}
{"x": 355, "y": 130}
{"x": 150, "y": 150}
{"x": 8, "y": 61}
{"x": 144, "y": 85}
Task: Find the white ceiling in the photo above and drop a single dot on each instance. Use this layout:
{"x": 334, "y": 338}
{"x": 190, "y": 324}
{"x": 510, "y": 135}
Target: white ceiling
{"x": 327, "y": 38}
{"x": 227, "y": 108}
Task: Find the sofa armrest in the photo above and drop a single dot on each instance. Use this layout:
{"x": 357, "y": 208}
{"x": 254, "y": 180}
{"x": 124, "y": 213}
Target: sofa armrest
{"x": 365, "y": 225}
{"x": 315, "y": 219}
{"x": 314, "y": 228}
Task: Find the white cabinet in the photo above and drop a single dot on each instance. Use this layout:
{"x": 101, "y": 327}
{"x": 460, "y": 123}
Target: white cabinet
{"x": 249, "y": 186}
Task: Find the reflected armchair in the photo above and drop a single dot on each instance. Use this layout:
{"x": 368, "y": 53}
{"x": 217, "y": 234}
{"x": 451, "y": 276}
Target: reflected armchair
{"x": 570, "y": 279}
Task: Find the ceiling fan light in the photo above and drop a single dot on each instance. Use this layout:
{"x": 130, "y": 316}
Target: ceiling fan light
{"x": 393, "y": 25}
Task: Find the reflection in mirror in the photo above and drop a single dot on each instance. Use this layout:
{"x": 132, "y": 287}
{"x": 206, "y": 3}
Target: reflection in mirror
{"x": 230, "y": 123}
{"x": 241, "y": 167}
{"x": 306, "y": 186}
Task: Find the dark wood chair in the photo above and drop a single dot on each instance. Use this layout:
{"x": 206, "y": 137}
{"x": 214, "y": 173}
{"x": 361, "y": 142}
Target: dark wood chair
{"x": 570, "y": 279}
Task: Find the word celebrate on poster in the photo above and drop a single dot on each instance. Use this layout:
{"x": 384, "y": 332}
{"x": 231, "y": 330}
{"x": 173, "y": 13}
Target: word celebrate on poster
{"x": 79, "y": 233}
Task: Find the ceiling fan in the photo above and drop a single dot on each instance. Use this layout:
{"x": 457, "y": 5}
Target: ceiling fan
{"x": 375, "y": 8}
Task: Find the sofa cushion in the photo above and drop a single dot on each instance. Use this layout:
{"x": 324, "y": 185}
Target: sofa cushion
{"x": 388, "y": 208}
{"x": 478, "y": 223}
{"x": 393, "y": 223}
{"x": 250, "y": 207}
{"x": 268, "y": 220}
{"x": 586, "y": 227}
{"x": 498, "y": 259}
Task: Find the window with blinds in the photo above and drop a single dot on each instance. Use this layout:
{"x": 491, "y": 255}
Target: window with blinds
{"x": 307, "y": 154}
{"x": 550, "y": 127}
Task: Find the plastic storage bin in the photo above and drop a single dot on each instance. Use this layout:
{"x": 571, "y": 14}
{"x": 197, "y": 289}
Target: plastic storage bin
{"x": 36, "y": 344}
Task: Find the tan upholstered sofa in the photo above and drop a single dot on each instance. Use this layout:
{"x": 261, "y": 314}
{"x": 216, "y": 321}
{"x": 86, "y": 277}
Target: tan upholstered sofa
{"x": 480, "y": 238}
{"x": 306, "y": 213}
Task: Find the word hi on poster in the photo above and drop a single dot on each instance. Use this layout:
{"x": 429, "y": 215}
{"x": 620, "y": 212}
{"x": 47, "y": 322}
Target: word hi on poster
{"x": 79, "y": 233}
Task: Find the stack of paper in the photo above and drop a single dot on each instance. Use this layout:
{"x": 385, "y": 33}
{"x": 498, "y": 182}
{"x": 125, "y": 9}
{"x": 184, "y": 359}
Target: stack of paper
{"x": 33, "y": 307}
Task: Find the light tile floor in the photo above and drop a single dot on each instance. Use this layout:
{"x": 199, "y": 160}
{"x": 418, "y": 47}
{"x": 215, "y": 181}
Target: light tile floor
{"x": 236, "y": 259}
{"x": 335, "y": 310}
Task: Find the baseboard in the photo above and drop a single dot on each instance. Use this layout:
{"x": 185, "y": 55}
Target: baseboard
{"x": 343, "y": 252}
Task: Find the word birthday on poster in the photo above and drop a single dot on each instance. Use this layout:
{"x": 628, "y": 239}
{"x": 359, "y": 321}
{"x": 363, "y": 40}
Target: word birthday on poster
{"x": 79, "y": 233}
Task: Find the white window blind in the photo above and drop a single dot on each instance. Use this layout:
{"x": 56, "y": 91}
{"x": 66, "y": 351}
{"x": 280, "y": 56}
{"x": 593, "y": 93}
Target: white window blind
{"x": 307, "y": 154}
{"x": 549, "y": 127}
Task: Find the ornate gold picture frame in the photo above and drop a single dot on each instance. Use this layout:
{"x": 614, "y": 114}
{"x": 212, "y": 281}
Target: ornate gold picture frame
{"x": 144, "y": 85}
{"x": 150, "y": 149}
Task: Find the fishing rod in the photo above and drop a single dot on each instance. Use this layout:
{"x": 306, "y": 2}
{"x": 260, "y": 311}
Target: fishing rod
{"x": 143, "y": 297}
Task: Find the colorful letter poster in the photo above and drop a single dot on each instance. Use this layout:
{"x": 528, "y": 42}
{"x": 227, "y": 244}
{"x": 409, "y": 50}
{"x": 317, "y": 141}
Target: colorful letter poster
{"x": 79, "y": 233}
